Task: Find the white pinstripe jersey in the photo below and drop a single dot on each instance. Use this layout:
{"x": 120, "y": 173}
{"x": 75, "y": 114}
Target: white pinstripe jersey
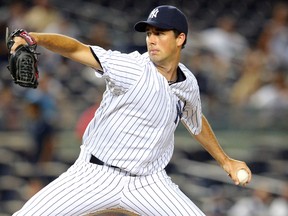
{"x": 134, "y": 126}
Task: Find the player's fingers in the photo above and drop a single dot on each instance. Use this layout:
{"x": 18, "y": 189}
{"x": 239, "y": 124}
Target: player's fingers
{"x": 250, "y": 176}
{"x": 234, "y": 179}
{"x": 17, "y": 42}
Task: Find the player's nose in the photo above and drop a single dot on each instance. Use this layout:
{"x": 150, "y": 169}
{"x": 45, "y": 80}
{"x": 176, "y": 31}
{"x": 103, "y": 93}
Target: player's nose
{"x": 151, "y": 39}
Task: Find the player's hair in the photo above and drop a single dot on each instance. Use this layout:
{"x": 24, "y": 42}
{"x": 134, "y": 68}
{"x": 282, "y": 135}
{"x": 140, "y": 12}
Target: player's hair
{"x": 177, "y": 33}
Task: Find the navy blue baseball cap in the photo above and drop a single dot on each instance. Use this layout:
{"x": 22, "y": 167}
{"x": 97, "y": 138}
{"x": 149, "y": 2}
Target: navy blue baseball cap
{"x": 165, "y": 17}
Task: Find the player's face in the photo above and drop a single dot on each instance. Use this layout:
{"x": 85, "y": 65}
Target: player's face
{"x": 162, "y": 45}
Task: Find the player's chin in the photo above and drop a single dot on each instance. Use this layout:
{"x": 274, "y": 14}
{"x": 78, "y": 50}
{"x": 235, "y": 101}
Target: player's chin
{"x": 155, "y": 58}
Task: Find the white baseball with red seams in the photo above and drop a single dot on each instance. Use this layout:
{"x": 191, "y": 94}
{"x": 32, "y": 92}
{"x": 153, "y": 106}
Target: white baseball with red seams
{"x": 242, "y": 176}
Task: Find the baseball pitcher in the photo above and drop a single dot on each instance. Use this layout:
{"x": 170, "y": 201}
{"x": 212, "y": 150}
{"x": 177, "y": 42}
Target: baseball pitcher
{"x": 130, "y": 140}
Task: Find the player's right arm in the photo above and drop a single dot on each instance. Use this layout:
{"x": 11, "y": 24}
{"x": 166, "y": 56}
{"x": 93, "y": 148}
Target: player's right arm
{"x": 209, "y": 141}
{"x": 65, "y": 46}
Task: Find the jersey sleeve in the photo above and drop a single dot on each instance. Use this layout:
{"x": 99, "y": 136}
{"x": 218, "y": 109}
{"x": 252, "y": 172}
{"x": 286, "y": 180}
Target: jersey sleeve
{"x": 192, "y": 117}
{"x": 192, "y": 112}
{"x": 120, "y": 70}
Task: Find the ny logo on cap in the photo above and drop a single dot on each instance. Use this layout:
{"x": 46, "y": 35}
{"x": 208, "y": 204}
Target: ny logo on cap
{"x": 154, "y": 13}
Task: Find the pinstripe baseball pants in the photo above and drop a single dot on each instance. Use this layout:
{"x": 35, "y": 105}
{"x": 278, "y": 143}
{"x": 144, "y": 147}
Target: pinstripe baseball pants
{"x": 87, "y": 187}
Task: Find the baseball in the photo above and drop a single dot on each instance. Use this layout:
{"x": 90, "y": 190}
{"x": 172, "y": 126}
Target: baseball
{"x": 242, "y": 176}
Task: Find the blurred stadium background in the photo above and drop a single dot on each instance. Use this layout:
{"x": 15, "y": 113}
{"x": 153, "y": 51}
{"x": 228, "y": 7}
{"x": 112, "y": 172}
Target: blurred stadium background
{"x": 238, "y": 50}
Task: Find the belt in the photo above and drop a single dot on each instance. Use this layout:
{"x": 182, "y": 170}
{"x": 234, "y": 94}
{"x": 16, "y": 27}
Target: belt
{"x": 97, "y": 161}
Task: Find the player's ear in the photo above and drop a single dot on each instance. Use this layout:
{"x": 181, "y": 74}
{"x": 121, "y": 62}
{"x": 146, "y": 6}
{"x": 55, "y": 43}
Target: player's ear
{"x": 181, "y": 39}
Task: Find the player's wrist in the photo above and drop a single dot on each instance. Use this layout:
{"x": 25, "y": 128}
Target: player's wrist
{"x": 34, "y": 36}
{"x": 224, "y": 160}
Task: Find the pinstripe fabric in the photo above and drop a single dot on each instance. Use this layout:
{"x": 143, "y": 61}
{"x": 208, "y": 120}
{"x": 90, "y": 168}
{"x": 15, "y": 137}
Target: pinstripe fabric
{"x": 134, "y": 126}
{"x": 87, "y": 188}
{"x": 132, "y": 129}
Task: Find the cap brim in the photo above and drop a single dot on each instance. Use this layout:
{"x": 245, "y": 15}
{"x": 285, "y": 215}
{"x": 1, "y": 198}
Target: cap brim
{"x": 141, "y": 26}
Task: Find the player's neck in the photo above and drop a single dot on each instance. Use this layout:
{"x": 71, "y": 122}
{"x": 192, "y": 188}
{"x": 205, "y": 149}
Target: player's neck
{"x": 168, "y": 66}
{"x": 170, "y": 73}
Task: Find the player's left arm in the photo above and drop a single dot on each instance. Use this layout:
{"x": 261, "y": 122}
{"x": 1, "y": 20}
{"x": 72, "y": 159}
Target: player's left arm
{"x": 63, "y": 45}
{"x": 210, "y": 143}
